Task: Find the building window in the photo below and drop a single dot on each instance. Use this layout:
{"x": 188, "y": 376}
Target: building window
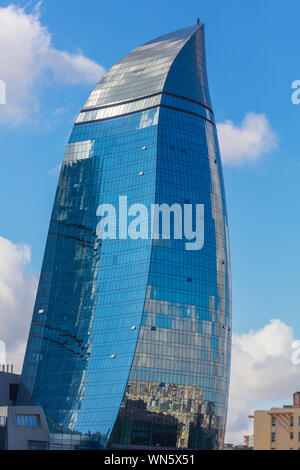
{"x": 28, "y": 420}
{"x": 3, "y": 420}
{"x": 37, "y": 445}
{"x": 292, "y": 420}
{"x": 273, "y": 421}
{"x": 273, "y": 437}
{"x": 291, "y": 435}
{"x": 13, "y": 390}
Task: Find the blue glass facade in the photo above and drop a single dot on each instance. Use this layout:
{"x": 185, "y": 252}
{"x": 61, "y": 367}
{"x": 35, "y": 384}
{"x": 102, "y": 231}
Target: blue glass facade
{"x": 130, "y": 339}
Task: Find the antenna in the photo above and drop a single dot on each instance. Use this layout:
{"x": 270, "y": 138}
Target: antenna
{"x": 198, "y": 20}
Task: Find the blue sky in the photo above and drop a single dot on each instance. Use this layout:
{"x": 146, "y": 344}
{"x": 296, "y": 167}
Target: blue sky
{"x": 253, "y": 58}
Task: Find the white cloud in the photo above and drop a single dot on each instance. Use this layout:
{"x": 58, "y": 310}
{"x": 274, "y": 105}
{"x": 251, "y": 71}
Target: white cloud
{"x": 55, "y": 171}
{"x": 262, "y": 374}
{"x": 247, "y": 142}
{"x": 17, "y": 295}
{"x": 29, "y": 61}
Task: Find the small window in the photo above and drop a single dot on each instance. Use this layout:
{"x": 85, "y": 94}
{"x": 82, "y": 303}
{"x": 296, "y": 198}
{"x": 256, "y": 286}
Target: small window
{"x": 153, "y": 328}
{"x": 37, "y": 445}
{"x": 138, "y": 70}
{"x": 299, "y": 436}
{"x": 273, "y": 421}
{"x": 3, "y": 420}
{"x": 13, "y": 391}
{"x": 273, "y": 437}
{"x": 28, "y": 420}
{"x": 291, "y": 435}
{"x": 292, "y": 420}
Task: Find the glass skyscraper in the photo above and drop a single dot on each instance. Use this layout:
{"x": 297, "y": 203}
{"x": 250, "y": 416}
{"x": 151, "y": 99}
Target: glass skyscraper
{"x": 130, "y": 338}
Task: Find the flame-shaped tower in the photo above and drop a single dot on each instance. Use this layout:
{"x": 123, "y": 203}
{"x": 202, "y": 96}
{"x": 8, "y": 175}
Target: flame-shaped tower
{"x": 130, "y": 339}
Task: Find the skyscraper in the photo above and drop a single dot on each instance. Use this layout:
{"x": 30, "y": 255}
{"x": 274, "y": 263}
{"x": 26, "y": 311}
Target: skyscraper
{"x": 130, "y": 337}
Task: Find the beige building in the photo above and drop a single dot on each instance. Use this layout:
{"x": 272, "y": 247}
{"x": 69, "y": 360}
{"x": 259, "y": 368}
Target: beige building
{"x": 278, "y": 428}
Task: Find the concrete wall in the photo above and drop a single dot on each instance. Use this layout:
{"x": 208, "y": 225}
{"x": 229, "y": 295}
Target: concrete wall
{"x": 17, "y": 437}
